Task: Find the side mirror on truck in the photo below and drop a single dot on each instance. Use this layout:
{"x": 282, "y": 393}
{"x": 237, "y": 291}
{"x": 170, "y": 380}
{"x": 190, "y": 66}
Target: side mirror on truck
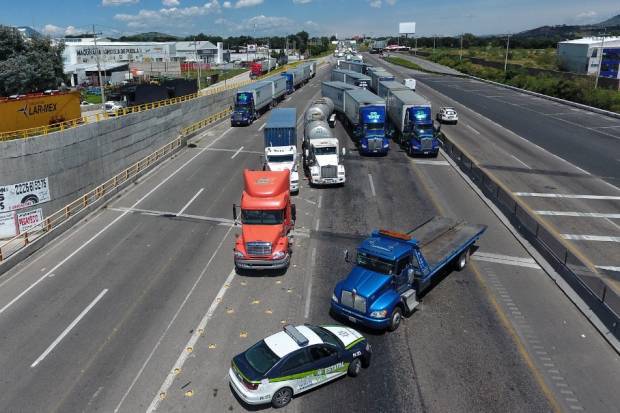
{"x": 346, "y": 256}
{"x": 293, "y": 212}
{"x": 235, "y": 212}
{"x": 344, "y": 151}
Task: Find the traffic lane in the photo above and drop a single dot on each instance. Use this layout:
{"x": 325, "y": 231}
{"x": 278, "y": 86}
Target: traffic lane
{"x": 123, "y": 275}
{"x": 547, "y": 322}
{"x": 126, "y": 373}
{"x": 416, "y": 361}
{"x": 256, "y": 304}
{"x": 592, "y": 150}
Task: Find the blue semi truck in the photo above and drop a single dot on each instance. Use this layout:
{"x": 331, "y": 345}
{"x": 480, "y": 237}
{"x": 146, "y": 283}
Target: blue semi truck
{"x": 250, "y": 102}
{"x": 411, "y": 124}
{"x": 392, "y": 269}
{"x": 363, "y": 113}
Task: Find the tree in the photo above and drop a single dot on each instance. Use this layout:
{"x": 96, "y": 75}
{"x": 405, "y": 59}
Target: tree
{"x": 28, "y": 66}
{"x": 332, "y": 38}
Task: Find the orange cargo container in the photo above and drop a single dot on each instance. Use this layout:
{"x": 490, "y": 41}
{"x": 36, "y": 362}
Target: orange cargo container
{"x": 40, "y": 109}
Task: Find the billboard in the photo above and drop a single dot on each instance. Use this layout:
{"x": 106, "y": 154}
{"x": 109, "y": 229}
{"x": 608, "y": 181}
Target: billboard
{"x": 38, "y": 110}
{"x": 24, "y": 195}
{"x": 406, "y": 28}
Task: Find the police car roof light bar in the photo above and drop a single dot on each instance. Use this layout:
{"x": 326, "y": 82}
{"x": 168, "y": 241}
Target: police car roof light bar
{"x": 296, "y": 335}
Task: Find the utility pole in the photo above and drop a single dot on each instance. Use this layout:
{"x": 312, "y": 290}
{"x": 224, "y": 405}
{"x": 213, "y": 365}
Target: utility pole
{"x": 197, "y": 62}
{"x": 101, "y": 86}
{"x": 600, "y": 60}
{"x": 461, "y": 53}
{"x": 434, "y": 37}
{"x": 507, "y": 47}
{"x": 416, "y": 46}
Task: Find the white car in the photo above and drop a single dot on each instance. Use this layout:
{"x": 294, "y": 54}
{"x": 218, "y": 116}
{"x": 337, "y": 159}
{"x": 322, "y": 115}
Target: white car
{"x": 112, "y": 107}
{"x": 295, "y": 360}
{"x": 447, "y": 115}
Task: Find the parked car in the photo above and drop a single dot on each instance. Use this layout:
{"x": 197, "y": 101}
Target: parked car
{"x": 447, "y": 115}
{"x": 112, "y": 107}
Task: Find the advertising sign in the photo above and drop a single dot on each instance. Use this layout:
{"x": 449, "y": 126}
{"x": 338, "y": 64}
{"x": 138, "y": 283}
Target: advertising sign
{"x": 38, "y": 110}
{"x": 406, "y": 28}
{"x": 23, "y": 195}
{"x": 8, "y": 227}
{"x": 30, "y": 219}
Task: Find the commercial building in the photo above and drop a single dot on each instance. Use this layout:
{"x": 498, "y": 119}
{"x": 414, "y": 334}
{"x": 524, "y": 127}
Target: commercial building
{"x": 584, "y": 55}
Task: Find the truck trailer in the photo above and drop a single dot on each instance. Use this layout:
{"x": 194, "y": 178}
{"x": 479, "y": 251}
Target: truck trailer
{"x": 335, "y": 92}
{"x": 280, "y": 136}
{"x": 365, "y": 115}
{"x": 386, "y": 87}
{"x": 393, "y": 268}
{"x": 378, "y": 74}
{"x": 278, "y": 87}
{"x": 351, "y": 77}
{"x": 411, "y": 123}
{"x": 250, "y": 102}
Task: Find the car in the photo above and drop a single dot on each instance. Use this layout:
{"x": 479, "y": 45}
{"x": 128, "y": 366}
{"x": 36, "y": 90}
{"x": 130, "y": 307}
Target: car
{"x": 295, "y": 360}
{"x": 112, "y": 107}
{"x": 447, "y": 115}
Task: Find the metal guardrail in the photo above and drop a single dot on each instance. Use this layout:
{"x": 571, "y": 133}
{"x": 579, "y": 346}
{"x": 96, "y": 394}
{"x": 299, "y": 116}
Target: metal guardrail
{"x": 61, "y": 216}
{"x": 588, "y": 283}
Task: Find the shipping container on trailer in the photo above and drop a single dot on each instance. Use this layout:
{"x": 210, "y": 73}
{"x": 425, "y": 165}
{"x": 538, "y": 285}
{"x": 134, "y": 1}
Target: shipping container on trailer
{"x": 387, "y": 87}
{"x": 278, "y": 87}
{"x": 281, "y": 128}
{"x": 335, "y": 92}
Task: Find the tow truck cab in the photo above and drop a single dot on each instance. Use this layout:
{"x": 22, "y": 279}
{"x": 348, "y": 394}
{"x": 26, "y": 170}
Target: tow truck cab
{"x": 267, "y": 217}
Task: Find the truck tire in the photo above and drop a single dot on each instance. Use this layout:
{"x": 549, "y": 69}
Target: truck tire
{"x": 461, "y": 261}
{"x": 395, "y": 319}
{"x": 354, "y": 368}
{"x": 282, "y": 397}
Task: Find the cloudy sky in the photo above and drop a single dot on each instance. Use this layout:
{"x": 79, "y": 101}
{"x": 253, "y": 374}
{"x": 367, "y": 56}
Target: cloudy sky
{"x": 318, "y": 17}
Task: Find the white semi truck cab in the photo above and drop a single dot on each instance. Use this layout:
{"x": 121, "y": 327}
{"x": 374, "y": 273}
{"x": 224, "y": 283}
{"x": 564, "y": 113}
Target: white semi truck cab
{"x": 279, "y": 158}
{"x": 324, "y": 162}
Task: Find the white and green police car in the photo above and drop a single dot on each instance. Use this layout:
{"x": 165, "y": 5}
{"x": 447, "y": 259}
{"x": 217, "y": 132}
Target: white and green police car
{"x": 295, "y": 360}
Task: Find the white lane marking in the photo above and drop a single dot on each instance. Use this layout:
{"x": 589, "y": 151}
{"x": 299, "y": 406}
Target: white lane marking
{"x": 608, "y": 268}
{"x": 190, "y": 201}
{"x": 372, "y": 185}
{"x": 68, "y": 329}
{"x": 505, "y": 259}
{"x": 288, "y": 98}
{"x": 91, "y": 239}
{"x": 474, "y": 130}
{"x": 236, "y": 153}
{"x": 585, "y": 237}
{"x": 262, "y": 126}
{"x": 167, "y": 214}
{"x": 429, "y": 162}
{"x": 309, "y": 291}
{"x": 570, "y": 196}
{"x": 605, "y": 127}
{"x": 198, "y": 331}
{"x": 320, "y": 201}
{"x": 520, "y": 161}
{"x": 579, "y": 214}
{"x": 174, "y": 317}
{"x": 316, "y": 226}
{"x": 233, "y": 150}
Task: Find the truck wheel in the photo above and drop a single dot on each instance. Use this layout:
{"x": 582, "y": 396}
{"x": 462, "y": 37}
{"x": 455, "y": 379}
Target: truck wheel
{"x": 461, "y": 261}
{"x": 395, "y": 319}
{"x": 354, "y": 368}
{"x": 282, "y": 397}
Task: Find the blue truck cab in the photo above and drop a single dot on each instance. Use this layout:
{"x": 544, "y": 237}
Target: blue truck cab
{"x": 249, "y": 102}
{"x": 392, "y": 269}
{"x": 371, "y": 130}
{"x": 422, "y": 136}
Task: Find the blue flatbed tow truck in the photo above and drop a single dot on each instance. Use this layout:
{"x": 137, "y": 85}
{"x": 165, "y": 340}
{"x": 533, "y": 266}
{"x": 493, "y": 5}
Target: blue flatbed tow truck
{"x": 393, "y": 268}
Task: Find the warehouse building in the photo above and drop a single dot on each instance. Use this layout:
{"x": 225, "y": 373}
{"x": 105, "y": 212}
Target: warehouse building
{"x": 584, "y": 55}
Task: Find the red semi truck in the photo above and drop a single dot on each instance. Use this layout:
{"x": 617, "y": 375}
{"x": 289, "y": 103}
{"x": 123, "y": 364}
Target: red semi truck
{"x": 260, "y": 67}
{"x": 267, "y": 218}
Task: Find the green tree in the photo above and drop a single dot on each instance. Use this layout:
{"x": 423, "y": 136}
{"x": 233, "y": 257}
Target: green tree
{"x": 28, "y": 66}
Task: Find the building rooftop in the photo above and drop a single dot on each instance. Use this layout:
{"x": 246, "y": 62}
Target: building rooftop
{"x": 595, "y": 41}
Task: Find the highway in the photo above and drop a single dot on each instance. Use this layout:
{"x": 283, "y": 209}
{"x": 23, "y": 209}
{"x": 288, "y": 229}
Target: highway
{"x": 138, "y": 308}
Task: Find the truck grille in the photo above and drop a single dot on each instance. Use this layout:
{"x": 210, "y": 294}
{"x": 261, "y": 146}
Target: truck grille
{"x": 427, "y": 144}
{"x": 258, "y": 248}
{"x": 353, "y": 301}
{"x": 375, "y": 144}
{"x": 329, "y": 171}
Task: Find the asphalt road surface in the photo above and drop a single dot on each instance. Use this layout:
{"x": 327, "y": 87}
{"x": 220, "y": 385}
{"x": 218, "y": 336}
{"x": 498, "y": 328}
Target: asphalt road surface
{"x": 137, "y": 308}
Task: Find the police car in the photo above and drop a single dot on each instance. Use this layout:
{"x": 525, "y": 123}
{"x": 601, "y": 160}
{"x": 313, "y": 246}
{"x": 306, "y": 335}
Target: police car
{"x": 295, "y": 360}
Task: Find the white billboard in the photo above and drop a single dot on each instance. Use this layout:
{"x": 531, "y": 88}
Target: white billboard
{"x": 406, "y": 28}
{"x": 8, "y": 225}
{"x": 30, "y": 219}
{"x": 23, "y": 195}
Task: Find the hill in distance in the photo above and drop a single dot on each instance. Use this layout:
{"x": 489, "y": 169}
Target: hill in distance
{"x": 150, "y": 37}
{"x": 574, "y": 31}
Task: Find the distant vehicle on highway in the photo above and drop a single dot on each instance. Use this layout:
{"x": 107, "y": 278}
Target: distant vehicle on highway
{"x": 447, "y": 115}
{"x": 295, "y": 360}
{"x": 112, "y": 107}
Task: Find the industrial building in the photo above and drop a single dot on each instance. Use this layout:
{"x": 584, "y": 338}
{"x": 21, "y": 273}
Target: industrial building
{"x": 584, "y": 55}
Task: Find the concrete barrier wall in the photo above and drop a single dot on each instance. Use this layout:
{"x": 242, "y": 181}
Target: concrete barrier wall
{"x": 78, "y": 159}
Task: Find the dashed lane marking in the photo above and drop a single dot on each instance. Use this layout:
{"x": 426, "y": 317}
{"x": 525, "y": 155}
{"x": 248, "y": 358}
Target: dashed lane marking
{"x": 190, "y": 201}
{"x": 579, "y": 214}
{"x": 262, "y": 126}
{"x": 473, "y": 130}
{"x": 520, "y": 161}
{"x": 505, "y": 259}
{"x": 586, "y": 237}
{"x": 429, "y": 162}
{"x": 372, "y": 185}
{"x": 569, "y": 196}
{"x": 608, "y": 267}
{"x": 167, "y": 214}
{"x": 236, "y": 153}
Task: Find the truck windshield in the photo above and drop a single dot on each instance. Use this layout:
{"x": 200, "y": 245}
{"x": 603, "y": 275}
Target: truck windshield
{"x": 257, "y": 217}
{"x": 329, "y": 150}
{"x": 260, "y": 357}
{"x": 280, "y": 158}
{"x": 375, "y": 263}
{"x": 423, "y": 130}
{"x": 374, "y": 126}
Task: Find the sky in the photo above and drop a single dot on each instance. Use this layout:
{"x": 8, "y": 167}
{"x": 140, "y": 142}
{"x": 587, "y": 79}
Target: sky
{"x": 318, "y": 17}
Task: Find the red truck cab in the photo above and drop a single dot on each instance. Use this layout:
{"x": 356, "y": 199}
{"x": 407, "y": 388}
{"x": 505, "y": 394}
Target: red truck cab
{"x": 267, "y": 218}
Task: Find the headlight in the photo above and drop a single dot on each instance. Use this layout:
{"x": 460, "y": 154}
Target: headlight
{"x": 238, "y": 254}
{"x": 334, "y": 298}
{"x": 364, "y": 145}
{"x": 378, "y": 314}
{"x": 385, "y": 145}
{"x": 279, "y": 255}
